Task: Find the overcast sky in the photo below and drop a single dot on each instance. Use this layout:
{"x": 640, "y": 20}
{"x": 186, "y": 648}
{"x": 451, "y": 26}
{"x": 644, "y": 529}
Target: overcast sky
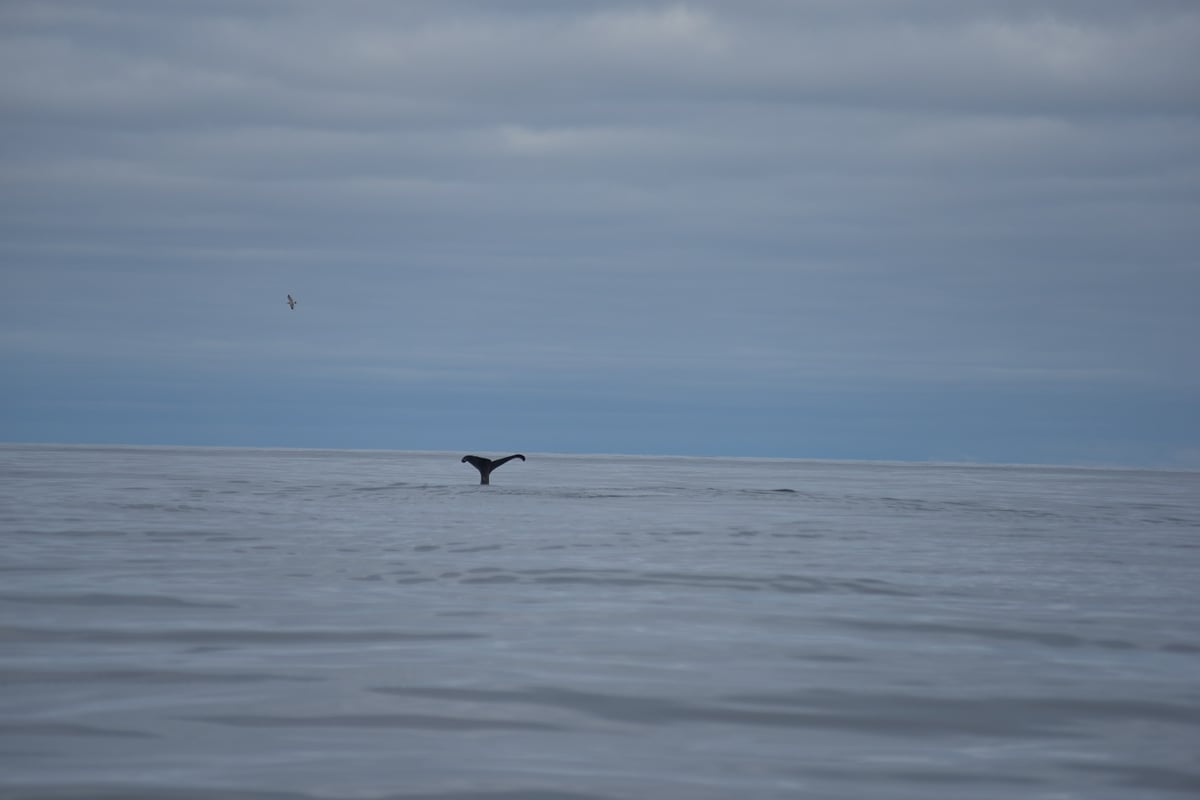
{"x": 882, "y": 229}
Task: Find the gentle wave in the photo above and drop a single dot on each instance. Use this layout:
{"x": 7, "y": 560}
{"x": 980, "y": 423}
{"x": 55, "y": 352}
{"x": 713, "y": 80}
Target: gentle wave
{"x": 793, "y": 584}
{"x": 219, "y": 792}
{"x": 1057, "y": 639}
{"x": 94, "y": 599}
{"x": 189, "y": 624}
{"x": 13, "y": 633}
{"x": 857, "y": 711}
{"x": 56, "y": 729}
{"x": 140, "y": 676}
{"x": 425, "y": 722}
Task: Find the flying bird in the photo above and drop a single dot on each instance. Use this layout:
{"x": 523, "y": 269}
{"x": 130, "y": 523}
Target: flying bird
{"x": 291, "y": 303}
{"x": 486, "y": 465}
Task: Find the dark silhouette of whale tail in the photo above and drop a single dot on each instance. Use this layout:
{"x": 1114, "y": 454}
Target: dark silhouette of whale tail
{"x": 486, "y": 465}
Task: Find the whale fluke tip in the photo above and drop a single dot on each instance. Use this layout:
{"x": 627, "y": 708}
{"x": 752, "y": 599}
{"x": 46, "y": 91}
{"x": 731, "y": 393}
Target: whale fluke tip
{"x": 486, "y": 465}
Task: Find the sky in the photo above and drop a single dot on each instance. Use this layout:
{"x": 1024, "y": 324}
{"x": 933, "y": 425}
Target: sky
{"x": 917, "y": 230}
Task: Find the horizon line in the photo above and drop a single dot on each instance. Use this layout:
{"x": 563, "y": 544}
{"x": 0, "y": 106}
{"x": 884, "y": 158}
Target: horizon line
{"x": 1111, "y": 467}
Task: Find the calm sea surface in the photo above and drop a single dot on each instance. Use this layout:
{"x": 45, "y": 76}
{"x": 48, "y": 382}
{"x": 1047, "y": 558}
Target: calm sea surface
{"x": 195, "y": 623}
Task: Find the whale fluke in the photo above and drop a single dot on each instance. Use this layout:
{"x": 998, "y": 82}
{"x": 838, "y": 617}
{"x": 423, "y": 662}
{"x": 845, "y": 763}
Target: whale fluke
{"x": 486, "y": 465}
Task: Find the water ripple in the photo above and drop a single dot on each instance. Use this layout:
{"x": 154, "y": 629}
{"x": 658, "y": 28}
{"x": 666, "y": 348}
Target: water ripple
{"x": 780, "y": 582}
{"x": 426, "y": 722}
{"x": 32, "y": 728}
{"x": 130, "y": 792}
{"x": 1039, "y": 637}
{"x": 138, "y": 676}
{"x": 12, "y": 633}
{"x": 106, "y": 599}
{"x": 907, "y": 715}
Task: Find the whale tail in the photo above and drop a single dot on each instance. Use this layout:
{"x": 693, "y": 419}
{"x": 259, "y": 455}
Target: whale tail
{"x": 486, "y": 465}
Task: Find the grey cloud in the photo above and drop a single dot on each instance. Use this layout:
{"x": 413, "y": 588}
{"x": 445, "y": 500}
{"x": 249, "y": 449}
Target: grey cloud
{"x": 405, "y": 62}
{"x": 762, "y": 194}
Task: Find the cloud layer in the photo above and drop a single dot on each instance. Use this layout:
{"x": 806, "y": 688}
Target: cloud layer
{"x": 693, "y": 206}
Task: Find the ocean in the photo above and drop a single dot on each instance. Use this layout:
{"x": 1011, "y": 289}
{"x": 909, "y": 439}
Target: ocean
{"x": 291, "y": 624}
